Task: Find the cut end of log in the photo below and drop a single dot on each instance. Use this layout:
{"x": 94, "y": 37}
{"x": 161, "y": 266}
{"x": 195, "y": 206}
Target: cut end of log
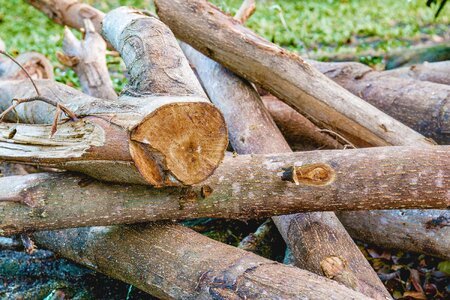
{"x": 182, "y": 142}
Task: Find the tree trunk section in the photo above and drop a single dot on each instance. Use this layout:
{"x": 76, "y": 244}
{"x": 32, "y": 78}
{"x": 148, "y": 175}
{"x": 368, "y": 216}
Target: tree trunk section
{"x": 424, "y": 106}
{"x": 437, "y": 72}
{"x": 243, "y": 187}
{"x": 87, "y": 58}
{"x": 252, "y": 130}
{"x": 284, "y": 74}
{"x": 155, "y": 134}
{"x": 425, "y": 233}
{"x": 196, "y": 268}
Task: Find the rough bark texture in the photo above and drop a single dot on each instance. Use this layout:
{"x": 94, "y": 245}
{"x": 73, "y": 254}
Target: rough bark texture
{"x": 252, "y": 130}
{"x": 155, "y": 136}
{"x": 282, "y": 73}
{"x": 424, "y": 106}
{"x": 300, "y": 133}
{"x": 425, "y": 233}
{"x": 438, "y": 72}
{"x": 243, "y": 187}
{"x": 87, "y": 58}
{"x": 197, "y": 268}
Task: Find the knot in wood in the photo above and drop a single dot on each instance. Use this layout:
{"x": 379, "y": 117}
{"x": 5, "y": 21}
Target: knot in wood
{"x": 312, "y": 174}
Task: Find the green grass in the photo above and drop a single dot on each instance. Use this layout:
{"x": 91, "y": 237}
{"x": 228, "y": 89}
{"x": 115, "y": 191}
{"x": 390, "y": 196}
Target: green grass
{"x": 305, "y": 26}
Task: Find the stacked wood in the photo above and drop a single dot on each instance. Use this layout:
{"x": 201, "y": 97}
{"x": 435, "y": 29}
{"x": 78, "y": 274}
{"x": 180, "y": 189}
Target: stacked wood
{"x": 253, "y": 131}
{"x": 123, "y": 141}
{"x": 162, "y": 131}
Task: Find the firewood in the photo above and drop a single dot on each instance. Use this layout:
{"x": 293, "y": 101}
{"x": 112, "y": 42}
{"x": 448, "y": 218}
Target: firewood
{"x": 438, "y": 72}
{"x": 155, "y": 134}
{"x": 425, "y": 233}
{"x": 174, "y": 262}
{"x": 88, "y": 60}
{"x": 36, "y": 64}
{"x": 284, "y": 74}
{"x": 243, "y": 187}
{"x": 252, "y": 130}
{"x": 424, "y": 106}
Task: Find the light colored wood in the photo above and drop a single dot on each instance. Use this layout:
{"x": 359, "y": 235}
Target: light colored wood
{"x": 36, "y": 64}
{"x": 87, "y": 58}
{"x": 424, "y": 106}
{"x": 243, "y": 187}
{"x": 252, "y": 130}
{"x": 150, "y": 135}
{"x": 438, "y": 72}
{"x": 284, "y": 74}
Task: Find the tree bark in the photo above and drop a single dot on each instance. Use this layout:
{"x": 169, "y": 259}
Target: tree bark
{"x": 243, "y": 187}
{"x": 252, "y": 130}
{"x": 425, "y": 233}
{"x": 437, "y": 72}
{"x": 424, "y": 106}
{"x": 154, "y": 134}
{"x": 196, "y": 268}
{"x": 37, "y": 66}
{"x": 88, "y": 60}
{"x": 300, "y": 133}
{"x": 284, "y": 74}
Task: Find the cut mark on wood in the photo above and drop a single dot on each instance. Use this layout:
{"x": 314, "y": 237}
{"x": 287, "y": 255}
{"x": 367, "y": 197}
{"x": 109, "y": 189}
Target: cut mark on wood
{"x": 312, "y": 174}
{"x": 337, "y": 268}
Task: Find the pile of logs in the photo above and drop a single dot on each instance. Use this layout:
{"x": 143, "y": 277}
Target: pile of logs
{"x": 158, "y": 152}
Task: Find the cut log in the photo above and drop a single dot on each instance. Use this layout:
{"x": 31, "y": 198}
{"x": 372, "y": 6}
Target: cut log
{"x": 154, "y": 134}
{"x": 282, "y": 73}
{"x": 87, "y": 58}
{"x": 243, "y": 187}
{"x": 437, "y": 72}
{"x": 300, "y": 133}
{"x": 252, "y": 130}
{"x": 424, "y": 106}
{"x": 174, "y": 262}
{"x": 425, "y": 233}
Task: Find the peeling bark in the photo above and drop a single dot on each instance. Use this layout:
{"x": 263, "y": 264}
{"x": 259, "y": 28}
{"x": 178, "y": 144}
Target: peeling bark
{"x": 424, "y": 106}
{"x": 252, "y": 130}
{"x": 243, "y": 187}
{"x": 284, "y": 74}
{"x": 154, "y": 134}
{"x": 37, "y": 65}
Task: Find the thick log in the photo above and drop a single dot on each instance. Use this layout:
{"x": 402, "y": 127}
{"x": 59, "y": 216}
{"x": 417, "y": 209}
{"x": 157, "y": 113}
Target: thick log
{"x": 87, "y": 58}
{"x": 425, "y": 233}
{"x": 154, "y": 134}
{"x": 243, "y": 187}
{"x": 157, "y": 262}
{"x": 252, "y": 130}
{"x": 424, "y": 106}
{"x": 284, "y": 74}
{"x": 437, "y": 72}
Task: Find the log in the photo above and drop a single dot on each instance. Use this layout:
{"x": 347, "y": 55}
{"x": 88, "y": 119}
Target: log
{"x": 424, "y": 106}
{"x": 252, "y": 130}
{"x": 284, "y": 74}
{"x": 300, "y": 133}
{"x": 155, "y": 134}
{"x": 243, "y": 187}
{"x": 425, "y": 233}
{"x": 174, "y": 262}
{"x": 437, "y": 72}
{"x": 87, "y": 58}
{"x": 36, "y": 64}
